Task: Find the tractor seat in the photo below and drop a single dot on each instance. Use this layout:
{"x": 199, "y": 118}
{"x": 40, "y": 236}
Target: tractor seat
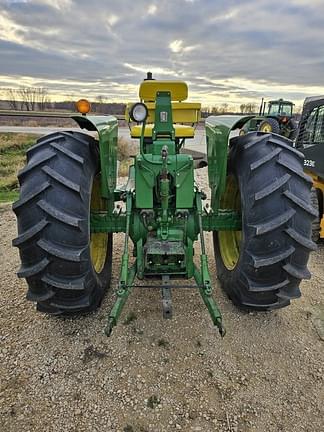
{"x": 181, "y": 131}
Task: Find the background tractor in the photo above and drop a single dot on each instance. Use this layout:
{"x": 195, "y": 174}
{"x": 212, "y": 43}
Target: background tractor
{"x": 260, "y": 211}
{"x": 277, "y": 119}
{"x": 310, "y": 141}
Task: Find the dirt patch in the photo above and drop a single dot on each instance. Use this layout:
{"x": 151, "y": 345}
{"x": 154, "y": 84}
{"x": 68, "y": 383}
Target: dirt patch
{"x": 158, "y": 375}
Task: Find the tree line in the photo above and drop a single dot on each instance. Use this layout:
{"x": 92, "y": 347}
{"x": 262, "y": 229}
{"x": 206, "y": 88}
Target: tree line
{"x": 28, "y": 98}
{"x": 37, "y": 99}
{"x": 248, "y": 108}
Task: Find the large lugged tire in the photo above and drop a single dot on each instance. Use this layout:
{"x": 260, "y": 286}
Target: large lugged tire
{"x": 316, "y": 225}
{"x": 57, "y": 189}
{"x": 269, "y": 125}
{"x": 261, "y": 266}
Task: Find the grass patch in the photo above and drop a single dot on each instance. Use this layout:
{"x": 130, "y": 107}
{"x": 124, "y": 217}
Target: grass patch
{"x": 16, "y": 143}
{"x": 124, "y": 167}
{"x": 126, "y": 149}
{"x": 13, "y": 149}
{"x": 8, "y": 196}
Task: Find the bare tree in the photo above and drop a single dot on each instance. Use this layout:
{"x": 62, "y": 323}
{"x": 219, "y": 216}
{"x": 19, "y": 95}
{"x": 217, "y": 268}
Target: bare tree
{"x": 43, "y": 99}
{"x": 250, "y": 108}
{"x": 225, "y": 108}
{"x": 242, "y": 108}
{"x": 28, "y": 98}
{"x": 100, "y": 99}
{"x": 12, "y": 99}
{"x": 216, "y": 110}
{"x": 99, "y": 105}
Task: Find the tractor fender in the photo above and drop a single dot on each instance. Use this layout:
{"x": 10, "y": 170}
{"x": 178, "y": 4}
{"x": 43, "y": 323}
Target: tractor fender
{"x": 219, "y": 130}
{"x": 95, "y": 123}
{"x": 225, "y": 124}
{"x": 107, "y": 128}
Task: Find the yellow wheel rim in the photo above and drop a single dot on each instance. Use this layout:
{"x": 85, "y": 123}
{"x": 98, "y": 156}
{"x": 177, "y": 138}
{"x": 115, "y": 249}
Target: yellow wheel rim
{"x": 229, "y": 241}
{"x": 98, "y": 241}
{"x": 266, "y": 127}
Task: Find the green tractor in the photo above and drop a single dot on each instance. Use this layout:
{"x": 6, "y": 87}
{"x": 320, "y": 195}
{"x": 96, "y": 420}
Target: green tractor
{"x": 260, "y": 211}
{"x": 310, "y": 141}
{"x": 278, "y": 119}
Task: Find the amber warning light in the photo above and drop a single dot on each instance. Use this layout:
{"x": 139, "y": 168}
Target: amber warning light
{"x": 83, "y": 106}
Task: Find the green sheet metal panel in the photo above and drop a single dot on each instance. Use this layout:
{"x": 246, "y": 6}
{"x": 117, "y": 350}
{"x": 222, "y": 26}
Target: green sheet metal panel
{"x": 218, "y": 130}
{"x": 107, "y": 128}
{"x": 144, "y": 182}
{"x": 184, "y": 178}
{"x": 180, "y": 168}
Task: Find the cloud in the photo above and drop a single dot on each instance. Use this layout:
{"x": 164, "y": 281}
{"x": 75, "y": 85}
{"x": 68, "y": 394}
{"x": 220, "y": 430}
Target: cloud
{"x": 177, "y": 46}
{"x": 232, "y": 13}
{"x": 233, "y": 51}
{"x": 155, "y": 70}
{"x": 57, "y": 4}
{"x": 11, "y": 31}
{"x": 112, "y": 19}
{"x": 152, "y": 9}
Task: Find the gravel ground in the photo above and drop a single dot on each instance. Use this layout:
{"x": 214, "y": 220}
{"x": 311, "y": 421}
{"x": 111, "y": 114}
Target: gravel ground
{"x": 156, "y": 375}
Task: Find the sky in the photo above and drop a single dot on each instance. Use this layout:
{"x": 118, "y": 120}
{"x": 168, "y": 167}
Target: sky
{"x": 227, "y": 51}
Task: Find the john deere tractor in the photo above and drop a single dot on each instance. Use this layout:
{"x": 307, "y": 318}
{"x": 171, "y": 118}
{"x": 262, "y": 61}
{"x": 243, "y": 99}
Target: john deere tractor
{"x": 278, "y": 119}
{"x": 260, "y": 211}
{"x": 310, "y": 141}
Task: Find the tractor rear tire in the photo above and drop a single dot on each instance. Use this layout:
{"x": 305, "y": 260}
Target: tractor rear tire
{"x": 269, "y": 125}
{"x": 316, "y": 225}
{"x": 53, "y": 212}
{"x": 261, "y": 267}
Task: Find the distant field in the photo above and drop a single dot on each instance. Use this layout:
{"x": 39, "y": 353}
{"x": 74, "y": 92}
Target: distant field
{"x": 13, "y": 149}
